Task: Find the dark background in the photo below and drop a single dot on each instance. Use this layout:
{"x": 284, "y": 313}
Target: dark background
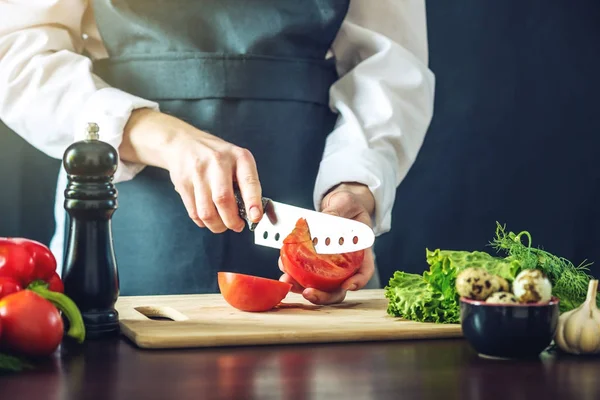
{"x": 27, "y": 188}
{"x": 515, "y": 133}
{"x": 514, "y": 138}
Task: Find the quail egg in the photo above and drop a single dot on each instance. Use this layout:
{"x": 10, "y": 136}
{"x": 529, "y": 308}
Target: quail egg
{"x": 500, "y": 284}
{"x": 474, "y": 283}
{"x": 532, "y": 286}
{"x": 502, "y": 298}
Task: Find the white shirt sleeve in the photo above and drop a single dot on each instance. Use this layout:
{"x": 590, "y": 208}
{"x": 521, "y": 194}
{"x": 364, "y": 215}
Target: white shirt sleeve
{"x": 384, "y": 98}
{"x": 48, "y": 92}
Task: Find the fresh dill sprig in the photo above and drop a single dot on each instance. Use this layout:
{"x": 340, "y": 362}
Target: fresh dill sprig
{"x": 569, "y": 282}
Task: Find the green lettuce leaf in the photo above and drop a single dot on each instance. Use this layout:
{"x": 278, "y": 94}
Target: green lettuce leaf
{"x": 432, "y": 297}
{"x": 408, "y": 295}
{"x": 505, "y": 268}
{"x": 411, "y": 298}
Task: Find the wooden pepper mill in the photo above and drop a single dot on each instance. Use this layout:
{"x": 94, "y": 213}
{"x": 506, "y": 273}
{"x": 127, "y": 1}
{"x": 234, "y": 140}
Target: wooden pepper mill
{"x": 90, "y": 272}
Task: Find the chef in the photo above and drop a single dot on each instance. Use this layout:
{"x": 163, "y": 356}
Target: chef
{"x": 322, "y": 104}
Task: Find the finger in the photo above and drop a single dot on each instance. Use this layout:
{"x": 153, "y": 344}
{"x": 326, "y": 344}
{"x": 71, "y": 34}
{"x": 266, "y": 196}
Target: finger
{"x": 280, "y": 263}
{"x": 296, "y": 288}
{"x": 364, "y": 274}
{"x": 247, "y": 178}
{"x": 205, "y": 207}
{"x": 186, "y": 192}
{"x": 342, "y": 204}
{"x": 322, "y": 298}
{"x": 222, "y": 197}
{"x": 346, "y": 205}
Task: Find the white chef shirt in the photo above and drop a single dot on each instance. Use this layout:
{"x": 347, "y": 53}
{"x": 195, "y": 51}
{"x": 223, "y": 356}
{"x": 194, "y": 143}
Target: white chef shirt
{"x": 384, "y": 97}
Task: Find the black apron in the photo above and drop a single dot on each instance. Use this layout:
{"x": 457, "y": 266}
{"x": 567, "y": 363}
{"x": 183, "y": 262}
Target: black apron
{"x": 251, "y": 72}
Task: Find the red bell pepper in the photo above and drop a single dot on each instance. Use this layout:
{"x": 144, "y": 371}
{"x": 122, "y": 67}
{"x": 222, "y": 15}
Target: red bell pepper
{"x": 8, "y": 286}
{"x": 27, "y": 261}
{"x": 30, "y": 265}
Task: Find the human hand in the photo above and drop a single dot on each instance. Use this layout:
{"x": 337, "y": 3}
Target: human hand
{"x": 202, "y": 168}
{"x": 353, "y": 201}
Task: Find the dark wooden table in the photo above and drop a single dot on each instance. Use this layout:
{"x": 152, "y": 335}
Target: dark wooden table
{"x": 421, "y": 369}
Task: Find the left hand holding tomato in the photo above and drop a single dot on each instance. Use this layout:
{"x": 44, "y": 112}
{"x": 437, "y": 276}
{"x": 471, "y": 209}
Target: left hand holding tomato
{"x": 348, "y": 200}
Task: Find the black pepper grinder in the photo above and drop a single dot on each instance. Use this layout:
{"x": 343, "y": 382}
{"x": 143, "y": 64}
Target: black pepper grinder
{"x": 90, "y": 272}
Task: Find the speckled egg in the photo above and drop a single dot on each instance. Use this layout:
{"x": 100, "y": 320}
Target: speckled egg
{"x": 500, "y": 284}
{"x": 474, "y": 283}
{"x": 532, "y": 286}
{"x": 502, "y": 298}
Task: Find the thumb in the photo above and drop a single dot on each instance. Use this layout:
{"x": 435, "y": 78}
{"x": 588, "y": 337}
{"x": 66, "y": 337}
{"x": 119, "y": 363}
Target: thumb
{"x": 331, "y": 211}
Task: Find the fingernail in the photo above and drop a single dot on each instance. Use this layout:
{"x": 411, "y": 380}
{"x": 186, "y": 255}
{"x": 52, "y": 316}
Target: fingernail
{"x": 352, "y": 287}
{"x": 254, "y": 213}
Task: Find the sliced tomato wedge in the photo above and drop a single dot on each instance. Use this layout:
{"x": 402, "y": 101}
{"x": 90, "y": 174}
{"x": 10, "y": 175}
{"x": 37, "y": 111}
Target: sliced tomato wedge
{"x": 325, "y": 272}
{"x": 251, "y": 293}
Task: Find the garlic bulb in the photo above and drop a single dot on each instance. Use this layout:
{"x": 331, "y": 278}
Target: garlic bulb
{"x": 578, "y": 330}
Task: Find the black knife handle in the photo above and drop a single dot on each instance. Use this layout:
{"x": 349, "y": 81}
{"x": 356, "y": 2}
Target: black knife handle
{"x": 242, "y": 207}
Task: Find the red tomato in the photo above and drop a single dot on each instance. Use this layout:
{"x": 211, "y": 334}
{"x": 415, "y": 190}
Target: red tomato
{"x": 44, "y": 260}
{"x": 31, "y": 325}
{"x": 324, "y": 272}
{"x": 8, "y": 286}
{"x": 16, "y": 261}
{"x": 55, "y": 283}
{"x": 251, "y": 293}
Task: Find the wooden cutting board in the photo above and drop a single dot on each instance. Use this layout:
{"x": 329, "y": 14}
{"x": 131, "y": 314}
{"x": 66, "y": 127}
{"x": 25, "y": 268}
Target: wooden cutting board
{"x": 207, "y": 320}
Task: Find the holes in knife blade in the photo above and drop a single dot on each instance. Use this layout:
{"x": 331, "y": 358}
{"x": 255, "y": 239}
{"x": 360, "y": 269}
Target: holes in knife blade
{"x": 341, "y": 241}
{"x": 266, "y": 235}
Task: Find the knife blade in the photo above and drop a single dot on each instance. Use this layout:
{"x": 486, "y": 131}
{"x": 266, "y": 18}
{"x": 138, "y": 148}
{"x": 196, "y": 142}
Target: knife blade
{"x": 331, "y": 234}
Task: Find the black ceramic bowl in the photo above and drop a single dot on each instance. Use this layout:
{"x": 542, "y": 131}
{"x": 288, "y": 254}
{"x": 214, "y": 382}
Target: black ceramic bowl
{"x": 509, "y": 330}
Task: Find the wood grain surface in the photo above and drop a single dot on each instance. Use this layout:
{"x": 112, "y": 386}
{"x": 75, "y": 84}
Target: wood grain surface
{"x": 207, "y": 321}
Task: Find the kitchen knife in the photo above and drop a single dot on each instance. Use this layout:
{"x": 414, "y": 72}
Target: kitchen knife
{"x": 331, "y": 234}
